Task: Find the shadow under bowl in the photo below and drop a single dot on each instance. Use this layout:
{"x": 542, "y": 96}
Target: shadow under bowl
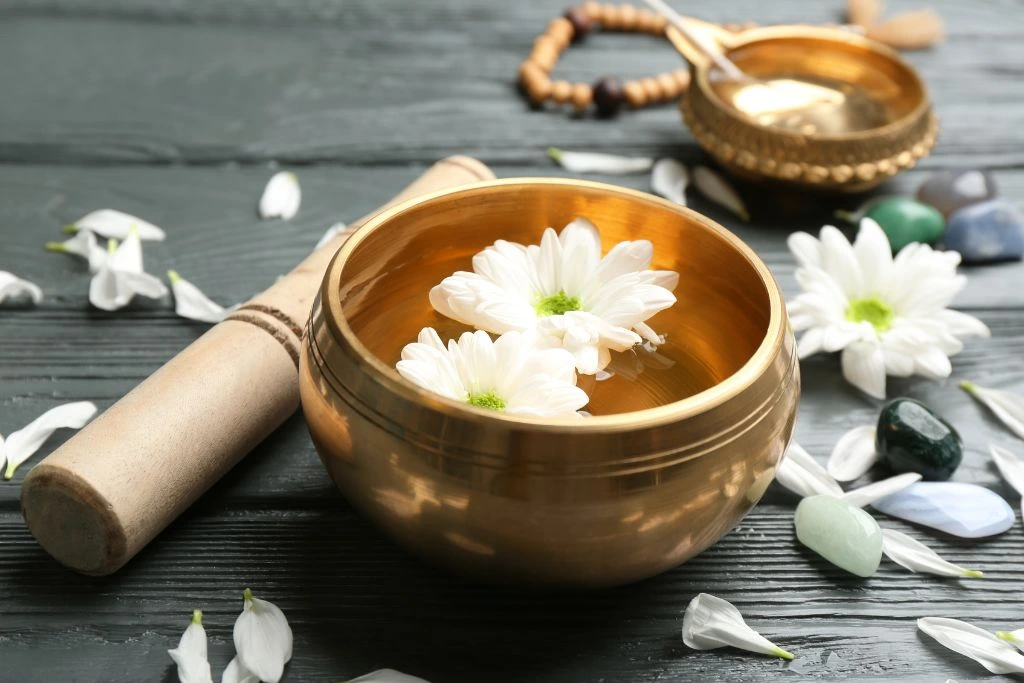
{"x": 682, "y": 444}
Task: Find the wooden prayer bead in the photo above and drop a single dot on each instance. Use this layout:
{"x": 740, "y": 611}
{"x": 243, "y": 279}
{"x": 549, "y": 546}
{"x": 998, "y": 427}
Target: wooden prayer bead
{"x": 561, "y": 91}
{"x": 634, "y": 94}
{"x": 647, "y": 21}
{"x": 539, "y": 89}
{"x": 651, "y": 89}
{"x": 669, "y": 88}
{"x": 682, "y": 77}
{"x": 611, "y": 17}
{"x": 562, "y": 32}
{"x": 592, "y": 10}
{"x": 582, "y": 96}
{"x": 545, "y": 57}
{"x": 546, "y": 42}
{"x": 628, "y": 18}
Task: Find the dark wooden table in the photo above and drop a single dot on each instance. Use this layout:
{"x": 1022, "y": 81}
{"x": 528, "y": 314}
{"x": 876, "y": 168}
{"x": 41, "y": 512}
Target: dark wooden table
{"x": 178, "y": 112}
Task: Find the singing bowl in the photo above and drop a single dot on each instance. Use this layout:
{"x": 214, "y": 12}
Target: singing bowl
{"x": 598, "y": 501}
{"x": 879, "y": 123}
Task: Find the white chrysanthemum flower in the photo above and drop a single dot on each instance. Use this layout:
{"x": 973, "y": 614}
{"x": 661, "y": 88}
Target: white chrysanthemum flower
{"x": 887, "y": 315}
{"x": 509, "y": 374}
{"x": 563, "y": 293}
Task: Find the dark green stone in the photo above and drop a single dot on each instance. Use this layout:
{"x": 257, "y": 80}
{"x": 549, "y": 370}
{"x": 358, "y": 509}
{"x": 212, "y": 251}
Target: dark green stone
{"x": 911, "y": 438}
{"x": 905, "y": 220}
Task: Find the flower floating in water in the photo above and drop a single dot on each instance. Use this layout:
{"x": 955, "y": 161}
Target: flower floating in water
{"x": 508, "y": 374}
{"x": 13, "y": 287}
{"x": 191, "y": 303}
{"x": 563, "y": 293}
{"x": 917, "y": 557}
{"x": 22, "y": 444}
{"x": 281, "y": 197}
{"x": 1006, "y": 405}
{"x": 996, "y": 655}
{"x": 712, "y": 622}
{"x": 116, "y": 225}
{"x": 887, "y": 315}
{"x": 263, "y": 640}
{"x": 190, "y": 655}
{"x": 119, "y": 276}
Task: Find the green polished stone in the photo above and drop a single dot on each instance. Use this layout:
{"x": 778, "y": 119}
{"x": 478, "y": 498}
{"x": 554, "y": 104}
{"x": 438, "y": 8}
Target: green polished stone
{"x": 911, "y": 438}
{"x": 843, "y": 534}
{"x": 905, "y": 221}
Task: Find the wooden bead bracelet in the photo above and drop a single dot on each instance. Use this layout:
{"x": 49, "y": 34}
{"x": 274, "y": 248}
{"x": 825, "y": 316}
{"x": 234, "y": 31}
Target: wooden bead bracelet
{"x": 608, "y": 94}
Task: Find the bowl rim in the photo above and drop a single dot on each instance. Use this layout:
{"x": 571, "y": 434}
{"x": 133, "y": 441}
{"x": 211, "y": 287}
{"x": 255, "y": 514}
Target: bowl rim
{"x": 730, "y": 387}
{"x": 768, "y": 33}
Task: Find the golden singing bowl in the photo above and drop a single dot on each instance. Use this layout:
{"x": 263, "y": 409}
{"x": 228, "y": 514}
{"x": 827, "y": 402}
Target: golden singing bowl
{"x": 605, "y": 500}
{"x": 825, "y": 108}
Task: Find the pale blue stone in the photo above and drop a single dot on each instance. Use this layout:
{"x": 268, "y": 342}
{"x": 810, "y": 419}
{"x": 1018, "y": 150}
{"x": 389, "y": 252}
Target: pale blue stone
{"x": 987, "y": 232}
{"x": 964, "y": 510}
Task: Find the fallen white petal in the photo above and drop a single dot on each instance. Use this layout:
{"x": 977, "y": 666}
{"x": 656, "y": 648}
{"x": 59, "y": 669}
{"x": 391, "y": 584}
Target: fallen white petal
{"x": 863, "y": 365}
{"x": 866, "y": 495}
{"x": 1006, "y": 405}
{"x": 236, "y": 673}
{"x": 117, "y": 225}
{"x": 801, "y": 474}
{"x": 281, "y": 197}
{"x": 22, "y": 444}
{"x": 83, "y": 244}
{"x": 13, "y": 287}
{"x": 191, "y": 303}
{"x": 669, "y": 179}
{"x": 331, "y": 233}
{"x": 190, "y": 655}
{"x": 1010, "y": 465}
{"x": 917, "y": 557}
{"x": 110, "y": 290}
{"x": 596, "y": 162}
{"x": 994, "y": 654}
{"x": 1015, "y": 638}
{"x": 854, "y": 454}
{"x": 263, "y": 638}
{"x": 714, "y": 187}
{"x": 387, "y": 676}
{"x": 712, "y": 622}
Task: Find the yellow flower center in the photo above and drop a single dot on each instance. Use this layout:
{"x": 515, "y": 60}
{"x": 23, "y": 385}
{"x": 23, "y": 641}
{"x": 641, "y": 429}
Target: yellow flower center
{"x": 489, "y": 400}
{"x": 872, "y": 310}
{"x": 557, "y": 304}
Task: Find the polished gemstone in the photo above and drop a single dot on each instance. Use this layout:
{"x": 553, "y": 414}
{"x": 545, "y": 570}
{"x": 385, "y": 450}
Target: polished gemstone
{"x": 951, "y": 190}
{"x": 987, "y": 232}
{"x": 905, "y": 221}
{"x": 911, "y": 438}
{"x": 964, "y": 510}
{"x": 843, "y": 534}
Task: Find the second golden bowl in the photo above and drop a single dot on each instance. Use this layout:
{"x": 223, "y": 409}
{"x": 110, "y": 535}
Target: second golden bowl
{"x": 607, "y": 500}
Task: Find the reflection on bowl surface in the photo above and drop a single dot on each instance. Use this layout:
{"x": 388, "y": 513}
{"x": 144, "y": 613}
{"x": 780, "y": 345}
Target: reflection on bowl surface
{"x": 683, "y": 442}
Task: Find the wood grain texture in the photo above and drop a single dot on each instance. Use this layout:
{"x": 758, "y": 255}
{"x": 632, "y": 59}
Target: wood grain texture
{"x": 193, "y": 81}
{"x": 172, "y": 110}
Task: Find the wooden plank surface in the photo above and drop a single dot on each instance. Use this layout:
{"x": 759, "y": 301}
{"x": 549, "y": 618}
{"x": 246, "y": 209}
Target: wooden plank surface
{"x": 174, "y": 111}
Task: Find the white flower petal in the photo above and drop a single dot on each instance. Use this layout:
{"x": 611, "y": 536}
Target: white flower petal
{"x": 281, "y": 197}
{"x": 22, "y": 444}
{"x": 806, "y": 249}
{"x": 717, "y": 189}
{"x": 996, "y": 655}
{"x": 801, "y": 474}
{"x": 839, "y": 260}
{"x": 117, "y": 225}
{"x": 83, "y": 244}
{"x": 127, "y": 257}
{"x": 332, "y": 231}
{"x": 1007, "y": 406}
{"x": 112, "y": 289}
{"x": 596, "y": 162}
{"x": 1015, "y": 638}
{"x": 853, "y": 455}
{"x": 669, "y": 179}
{"x": 917, "y": 557}
{"x": 191, "y": 303}
{"x": 13, "y": 287}
{"x": 263, "y": 639}
{"x": 866, "y": 495}
{"x": 387, "y": 676}
{"x": 864, "y": 367}
{"x": 236, "y": 673}
{"x": 190, "y": 655}
{"x": 712, "y": 622}
{"x": 1010, "y": 465}
{"x": 874, "y": 256}
{"x": 963, "y": 325}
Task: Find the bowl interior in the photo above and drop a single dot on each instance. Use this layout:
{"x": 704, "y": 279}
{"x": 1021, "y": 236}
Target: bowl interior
{"x": 720, "y": 319}
{"x": 851, "y": 86}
